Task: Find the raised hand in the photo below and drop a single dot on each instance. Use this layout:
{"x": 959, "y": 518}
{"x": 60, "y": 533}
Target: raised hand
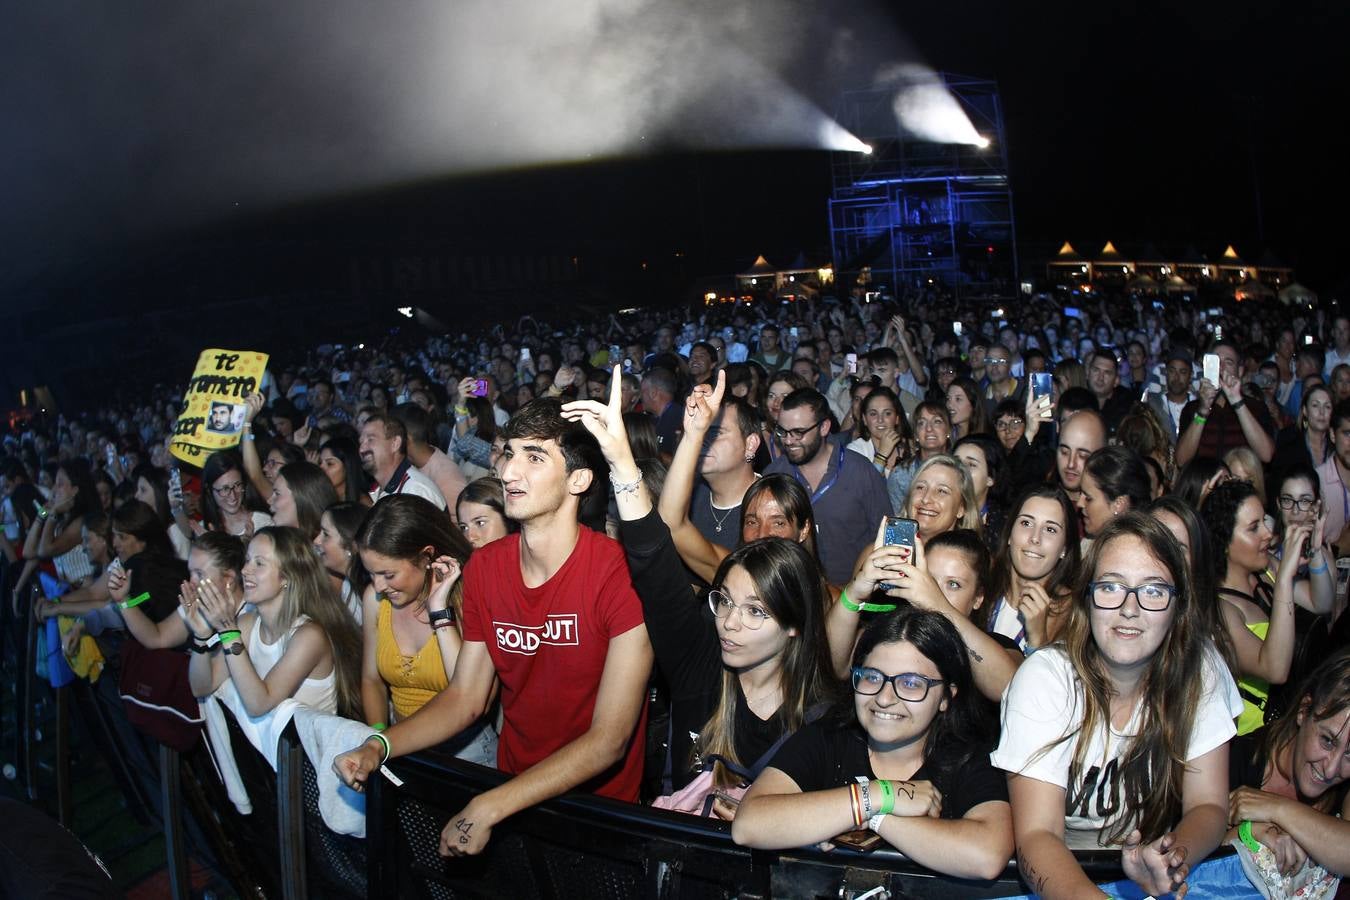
{"x": 604, "y": 421}
{"x": 703, "y": 404}
{"x": 216, "y": 608}
{"x": 1035, "y": 608}
{"x": 253, "y": 404}
{"x": 444, "y": 573}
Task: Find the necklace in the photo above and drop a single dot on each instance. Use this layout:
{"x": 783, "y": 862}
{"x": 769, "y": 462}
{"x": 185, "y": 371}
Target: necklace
{"x": 722, "y": 521}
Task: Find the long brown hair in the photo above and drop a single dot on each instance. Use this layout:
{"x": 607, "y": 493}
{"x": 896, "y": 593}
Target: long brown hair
{"x": 789, "y": 584}
{"x": 1323, "y": 694}
{"x": 1059, "y": 582}
{"x": 310, "y": 592}
{"x": 1153, "y": 763}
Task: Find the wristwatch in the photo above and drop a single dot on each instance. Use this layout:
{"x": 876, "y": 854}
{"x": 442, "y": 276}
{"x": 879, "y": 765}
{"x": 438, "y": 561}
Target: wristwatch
{"x": 436, "y": 617}
{"x": 233, "y": 648}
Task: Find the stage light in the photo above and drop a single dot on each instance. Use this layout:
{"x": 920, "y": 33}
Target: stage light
{"x": 867, "y": 148}
{"x": 834, "y": 136}
{"x": 983, "y": 143}
{"x": 927, "y": 110}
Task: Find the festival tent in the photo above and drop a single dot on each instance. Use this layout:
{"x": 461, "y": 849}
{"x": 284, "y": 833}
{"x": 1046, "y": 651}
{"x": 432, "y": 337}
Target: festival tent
{"x": 1254, "y": 290}
{"x": 1297, "y": 294}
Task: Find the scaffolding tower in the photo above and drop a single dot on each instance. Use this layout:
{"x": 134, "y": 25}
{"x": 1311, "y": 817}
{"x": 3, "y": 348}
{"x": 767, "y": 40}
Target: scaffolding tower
{"x": 915, "y": 214}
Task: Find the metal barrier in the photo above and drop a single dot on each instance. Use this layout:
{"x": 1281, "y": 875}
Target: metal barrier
{"x": 585, "y": 846}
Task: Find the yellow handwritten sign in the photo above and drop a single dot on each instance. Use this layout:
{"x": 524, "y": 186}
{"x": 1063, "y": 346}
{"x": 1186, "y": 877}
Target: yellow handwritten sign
{"x": 212, "y": 417}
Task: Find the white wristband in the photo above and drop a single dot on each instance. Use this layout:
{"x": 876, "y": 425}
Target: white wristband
{"x": 875, "y": 822}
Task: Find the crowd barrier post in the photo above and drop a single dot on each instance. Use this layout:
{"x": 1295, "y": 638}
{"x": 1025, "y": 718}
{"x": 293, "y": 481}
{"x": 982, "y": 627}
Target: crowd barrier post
{"x": 25, "y": 712}
{"x": 171, "y": 803}
{"x": 291, "y": 816}
{"x": 64, "y": 795}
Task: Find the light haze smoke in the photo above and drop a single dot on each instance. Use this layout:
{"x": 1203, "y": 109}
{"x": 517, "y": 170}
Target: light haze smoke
{"x": 123, "y": 118}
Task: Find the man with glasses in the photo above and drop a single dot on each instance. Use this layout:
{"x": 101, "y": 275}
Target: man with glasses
{"x": 848, "y": 496}
{"x": 999, "y": 383}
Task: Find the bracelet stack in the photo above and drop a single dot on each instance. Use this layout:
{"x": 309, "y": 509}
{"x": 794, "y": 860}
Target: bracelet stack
{"x": 388, "y": 750}
{"x": 856, "y": 804}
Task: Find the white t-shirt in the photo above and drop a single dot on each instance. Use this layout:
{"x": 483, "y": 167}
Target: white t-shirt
{"x": 1043, "y": 703}
{"x": 417, "y": 484}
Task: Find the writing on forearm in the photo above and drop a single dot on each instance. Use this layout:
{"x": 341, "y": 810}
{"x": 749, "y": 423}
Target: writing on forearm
{"x": 1037, "y": 881}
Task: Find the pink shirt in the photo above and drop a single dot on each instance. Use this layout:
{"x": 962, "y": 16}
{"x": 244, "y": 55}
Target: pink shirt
{"x": 1335, "y": 499}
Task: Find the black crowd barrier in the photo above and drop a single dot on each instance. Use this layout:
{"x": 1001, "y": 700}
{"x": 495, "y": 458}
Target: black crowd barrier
{"x": 584, "y": 846}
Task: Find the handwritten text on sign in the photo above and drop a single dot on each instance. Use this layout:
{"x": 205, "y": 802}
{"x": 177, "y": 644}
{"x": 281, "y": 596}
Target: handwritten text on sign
{"x": 212, "y": 417}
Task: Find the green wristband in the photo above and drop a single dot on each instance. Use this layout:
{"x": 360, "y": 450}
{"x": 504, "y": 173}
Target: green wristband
{"x": 887, "y": 797}
{"x": 134, "y": 601}
{"x": 864, "y": 607}
{"x": 379, "y": 726}
{"x": 227, "y": 636}
{"x": 1245, "y": 835}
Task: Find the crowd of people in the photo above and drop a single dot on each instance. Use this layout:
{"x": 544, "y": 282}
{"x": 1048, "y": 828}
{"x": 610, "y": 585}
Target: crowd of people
{"x": 1118, "y": 621}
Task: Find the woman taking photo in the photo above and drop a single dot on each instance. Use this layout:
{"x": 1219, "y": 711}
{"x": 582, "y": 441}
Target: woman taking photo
{"x": 481, "y": 512}
{"x": 228, "y": 502}
{"x": 1297, "y": 500}
{"x": 906, "y": 756}
{"x": 1290, "y": 780}
{"x": 933, "y": 434}
{"x": 1115, "y": 481}
{"x": 1118, "y": 736}
{"x": 1258, "y": 619}
{"x": 298, "y": 643}
{"x": 747, "y": 671}
{"x": 1036, "y": 562}
{"x": 410, "y": 623}
{"x": 884, "y": 438}
{"x": 948, "y": 575}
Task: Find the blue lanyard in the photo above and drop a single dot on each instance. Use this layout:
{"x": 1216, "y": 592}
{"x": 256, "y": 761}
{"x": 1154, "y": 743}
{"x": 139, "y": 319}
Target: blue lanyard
{"x": 820, "y": 491}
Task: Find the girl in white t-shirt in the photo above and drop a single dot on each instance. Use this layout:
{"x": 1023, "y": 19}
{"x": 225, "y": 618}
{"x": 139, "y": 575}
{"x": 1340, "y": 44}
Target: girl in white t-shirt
{"x": 1117, "y": 734}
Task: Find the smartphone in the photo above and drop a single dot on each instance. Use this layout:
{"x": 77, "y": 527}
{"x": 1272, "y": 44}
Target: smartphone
{"x": 1307, "y": 340}
{"x": 115, "y": 565}
{"x": 851, "y": 363}
{"x": 112, "y": 454}
{"x": 793, "y": 331}
{"x": 997, "y": 313}
{"x": 956, "y": 328}
{"x": 1073, "y": 312}
{"x": 899, "y": 532}
{"x": 615, "y": 353}
{"x": 175, "y": 483}
{"x": 480, "y": 388}
{"x": 1040, "y": 385}
{"x": 1157, "y": 304}
{"x": 1218, "y": 332}
{"x": 1212, "y": 368}
{"x": 863, "y": 840}
{"x": 627, "y": 366}
{"x": 524, "y": 354}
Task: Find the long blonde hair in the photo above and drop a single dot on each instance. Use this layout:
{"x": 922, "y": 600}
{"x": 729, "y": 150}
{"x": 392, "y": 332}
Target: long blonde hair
{"x": 1153, "y": 763}
{"x": 309, "y": 592}
{"x": 970, "y": 516}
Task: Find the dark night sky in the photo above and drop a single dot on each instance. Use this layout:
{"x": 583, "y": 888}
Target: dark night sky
{"x": 1143, "y": 122}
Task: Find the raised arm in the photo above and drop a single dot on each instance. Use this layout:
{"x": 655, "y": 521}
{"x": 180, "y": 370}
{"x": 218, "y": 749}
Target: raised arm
{"x": 1257, "y": 437}
{"x": 171, "y": 632}
{"x": 1271, "y": 658}
{"x": 701, "y": 555}
{"x": 248, "y": 450}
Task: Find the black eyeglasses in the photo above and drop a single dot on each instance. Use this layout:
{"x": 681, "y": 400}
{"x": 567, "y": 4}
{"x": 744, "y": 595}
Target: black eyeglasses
{"x": 797, "y": 434}
{"x": 1302, "y": 504}
{"x": 909, "y": 686}
{"x": 1008, "y": 424}
{"x": 1150, "y": 597}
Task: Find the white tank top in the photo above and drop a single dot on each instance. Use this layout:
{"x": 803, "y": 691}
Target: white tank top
{"x": 316, "y": 693}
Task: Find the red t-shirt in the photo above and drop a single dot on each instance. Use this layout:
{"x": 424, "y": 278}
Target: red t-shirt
{"x": 549, "y": 646}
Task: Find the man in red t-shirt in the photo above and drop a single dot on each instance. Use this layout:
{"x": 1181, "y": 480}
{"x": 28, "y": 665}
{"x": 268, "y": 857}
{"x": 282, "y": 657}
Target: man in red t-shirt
{"x": 551, "y": 612}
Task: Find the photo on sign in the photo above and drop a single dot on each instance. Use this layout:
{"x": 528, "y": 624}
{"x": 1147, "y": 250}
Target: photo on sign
{"x": 225, "y": 418}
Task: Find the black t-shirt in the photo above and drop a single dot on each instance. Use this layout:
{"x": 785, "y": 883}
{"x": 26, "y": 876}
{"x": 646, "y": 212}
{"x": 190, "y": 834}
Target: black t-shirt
{"x": 1247, "y": 760}
{"x": 718, "y": 526}
{"x": 826, "y": 754}
{"x": 684, "y": 639}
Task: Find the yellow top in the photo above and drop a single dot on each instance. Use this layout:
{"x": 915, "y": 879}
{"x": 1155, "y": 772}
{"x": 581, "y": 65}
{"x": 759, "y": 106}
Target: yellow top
{"x": 1255, "y": 691}
{"x": 412, "y": 680}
